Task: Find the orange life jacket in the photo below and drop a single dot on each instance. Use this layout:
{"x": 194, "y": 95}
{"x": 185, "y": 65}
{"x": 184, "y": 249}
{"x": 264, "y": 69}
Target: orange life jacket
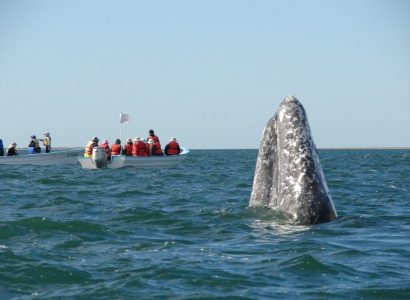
{"x": 128, "y": 149}
{"x": 89, "y": 149}
{"x": 173, "y": 148}
{"x": 116, "y": 149}
{"x": 139, "y": 149}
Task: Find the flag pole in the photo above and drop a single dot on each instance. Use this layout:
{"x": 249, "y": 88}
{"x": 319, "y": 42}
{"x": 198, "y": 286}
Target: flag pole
{"x": 121, "y": 126}
{"x": 123, "y": 119}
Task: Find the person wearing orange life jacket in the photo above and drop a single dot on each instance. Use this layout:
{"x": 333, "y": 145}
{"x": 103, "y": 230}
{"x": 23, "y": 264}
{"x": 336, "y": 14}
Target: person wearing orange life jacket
{"x": 128, "y": 147}
{"x": 152, "y": 136}
{"x": 106, "y": 146}
{"x": 116, "y": 149}
{"x": 139, "y": 148}
{"x": 155, "y": 148}
{"x": 172, "y": 148}
{"x": 88, "y": 151}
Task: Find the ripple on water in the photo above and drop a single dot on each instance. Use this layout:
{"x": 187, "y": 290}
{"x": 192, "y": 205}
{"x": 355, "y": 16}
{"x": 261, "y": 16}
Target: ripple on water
{"x": 189, "y": 233}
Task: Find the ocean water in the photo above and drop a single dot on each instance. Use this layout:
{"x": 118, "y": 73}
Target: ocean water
{"x": 187, "y": 233}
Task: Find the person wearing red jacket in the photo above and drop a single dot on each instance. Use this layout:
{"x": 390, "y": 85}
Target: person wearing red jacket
{"x": 116, "y": 149}
{"x": 172, "y": 148}
{"x": 155, "y": 148}
{"x": 139, "y": 148}
{"x": 128, "y": 147}
{"x": 152, "y": 136}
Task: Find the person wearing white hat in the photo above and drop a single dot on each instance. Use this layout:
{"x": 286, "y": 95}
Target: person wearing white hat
{"x": 172, "y": 148}
{"x": 128, "y": 147}
{"x": 47, "y": 141}
{"x": 140, "y": 148}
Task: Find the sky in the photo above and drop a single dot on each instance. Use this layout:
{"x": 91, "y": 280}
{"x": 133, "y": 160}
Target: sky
{"x": 211, "y": 73}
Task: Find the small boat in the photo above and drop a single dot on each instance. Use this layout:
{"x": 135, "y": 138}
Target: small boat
{"x": 58, "y": 157}
{"x": 97, "y": 161}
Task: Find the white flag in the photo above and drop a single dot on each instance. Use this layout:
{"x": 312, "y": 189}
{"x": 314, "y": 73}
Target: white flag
{"x": 124, "y": 118}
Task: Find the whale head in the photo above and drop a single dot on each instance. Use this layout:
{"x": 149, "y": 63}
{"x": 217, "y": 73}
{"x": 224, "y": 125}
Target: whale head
{"x": 288, "y": 175}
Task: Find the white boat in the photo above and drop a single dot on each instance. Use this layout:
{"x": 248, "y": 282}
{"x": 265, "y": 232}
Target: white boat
{"x": 117, "y": 161}
{"x": 58, "y": 157}
{"x": 140, "y": 162}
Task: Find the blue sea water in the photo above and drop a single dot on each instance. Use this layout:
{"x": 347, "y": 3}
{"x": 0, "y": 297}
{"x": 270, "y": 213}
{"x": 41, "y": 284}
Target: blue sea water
{"x": 187, "y": 233}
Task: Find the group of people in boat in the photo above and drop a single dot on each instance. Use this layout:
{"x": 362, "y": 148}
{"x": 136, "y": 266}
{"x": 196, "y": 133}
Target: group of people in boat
{"x": 151, "y": 146}
{"x": 33, "y": 146}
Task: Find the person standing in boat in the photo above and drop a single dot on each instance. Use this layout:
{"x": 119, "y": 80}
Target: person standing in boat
{"x": 88, "y": 151}
{"x": 106, "y": 146}
{"x": 47, "y": 141}
{"x": 155, "y": 148}
{"x": 116, "y": 149}
{"x": 140, "y": 148}
{"x": 34, "y": 146}
{"x": 11, "y": 151}
{"x": 1, "y": 148}
{"x": 152, "y": 136}
{"x": 172, "y": 148}
{"x": 128, "y": 147}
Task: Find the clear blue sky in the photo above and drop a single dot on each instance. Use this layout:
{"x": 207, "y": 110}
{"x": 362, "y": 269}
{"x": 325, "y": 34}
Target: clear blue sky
{"x": 210, "y": 73}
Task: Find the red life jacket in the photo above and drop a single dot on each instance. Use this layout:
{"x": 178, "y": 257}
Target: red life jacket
{"x": 173, "y": 148}
{"x": 139, "y": 149}
{"x": 128, "y": 149}
{"x": 157, "y": 150}
{"x": 116, "y": 149}
{"x": 154, "y": 138}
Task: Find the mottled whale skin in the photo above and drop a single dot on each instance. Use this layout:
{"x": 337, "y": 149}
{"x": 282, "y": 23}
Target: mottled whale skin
{"x": 288, "y": 174}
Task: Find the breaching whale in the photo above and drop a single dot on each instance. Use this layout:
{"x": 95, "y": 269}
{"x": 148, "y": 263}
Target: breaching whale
{"x": 288, "y": 174}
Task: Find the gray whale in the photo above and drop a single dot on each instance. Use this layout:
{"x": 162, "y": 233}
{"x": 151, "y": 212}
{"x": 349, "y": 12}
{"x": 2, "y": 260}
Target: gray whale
{"x": 288, "y": 174}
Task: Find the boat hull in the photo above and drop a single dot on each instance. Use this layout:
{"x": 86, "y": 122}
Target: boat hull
{"x": 142, "y": 162}
{"x": 139, "y": 162}
{"x": 63, "y": 157}
{"x": 116, "y": 162}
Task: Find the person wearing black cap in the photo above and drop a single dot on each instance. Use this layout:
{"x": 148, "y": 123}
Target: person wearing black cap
{"x": 152, "y": 136}
{"x": 116, "y": 149}
{"x": 90, "y": 146}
